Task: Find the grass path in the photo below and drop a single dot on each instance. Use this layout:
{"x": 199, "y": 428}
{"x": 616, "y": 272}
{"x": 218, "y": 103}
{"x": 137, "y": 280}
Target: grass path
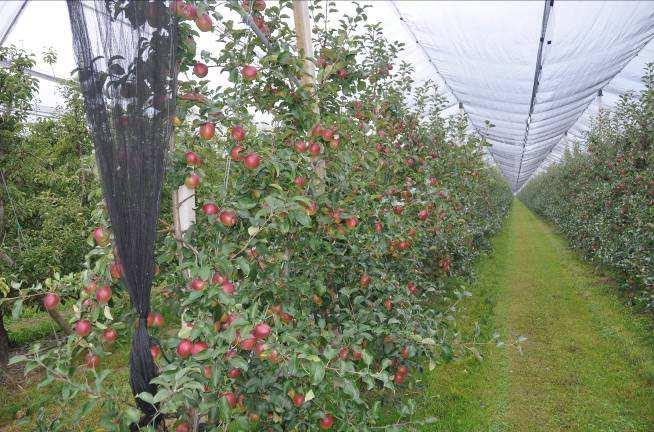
{"x": 587, "y": 364}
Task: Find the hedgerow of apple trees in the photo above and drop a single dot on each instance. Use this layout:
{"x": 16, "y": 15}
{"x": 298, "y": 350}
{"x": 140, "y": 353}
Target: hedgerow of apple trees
{"x": 313, "y": 285}
{"x": 602, "y": 199}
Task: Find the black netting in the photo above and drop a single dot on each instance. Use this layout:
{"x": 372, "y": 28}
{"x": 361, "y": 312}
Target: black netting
{"x": 125, "y": 52}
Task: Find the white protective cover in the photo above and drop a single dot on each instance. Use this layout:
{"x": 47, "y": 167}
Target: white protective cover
{"x": 487, "y": 53}
{"x": 483, "y": 54}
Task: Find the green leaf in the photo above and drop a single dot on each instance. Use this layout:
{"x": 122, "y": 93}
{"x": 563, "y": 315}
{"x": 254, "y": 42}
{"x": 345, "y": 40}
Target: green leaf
{"x": 350, "y": 390}
{"x": 17, "y": 309}
{"x": 243, "y": 264}
{"x": 146, "y": 397}
{"x": 317, "y": 372}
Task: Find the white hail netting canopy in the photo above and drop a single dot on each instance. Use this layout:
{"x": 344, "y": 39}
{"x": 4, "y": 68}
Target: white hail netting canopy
{"x": 527, "y": 73}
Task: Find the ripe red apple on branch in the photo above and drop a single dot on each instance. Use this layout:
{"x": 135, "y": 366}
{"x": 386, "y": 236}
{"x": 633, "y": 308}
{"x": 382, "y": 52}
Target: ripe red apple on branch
{"x": 200, "y": 70}
{"x": 50, "y": 301}
{"x": 249, "y": 72}
{"x": 192, "y": 181}
{"x": 192, "y": 159}
{"x": 100, "y": 236}
{"x": 238, "y": 133}
{"x": 207, "y": 130}
{"x": 204, "y": 22}
{"x": 252, "y": 161}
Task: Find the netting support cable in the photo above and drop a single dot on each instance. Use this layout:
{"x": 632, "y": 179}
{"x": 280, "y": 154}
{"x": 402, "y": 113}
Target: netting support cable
{"x": 13, "y": 23}
{"x": 534, "y": 90}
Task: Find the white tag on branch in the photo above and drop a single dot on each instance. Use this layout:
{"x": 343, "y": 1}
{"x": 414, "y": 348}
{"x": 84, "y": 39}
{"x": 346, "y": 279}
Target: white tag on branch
{"x": 107, "y": 313}
{"x": 309, "y": 396}
{"x": 253, "y": 230}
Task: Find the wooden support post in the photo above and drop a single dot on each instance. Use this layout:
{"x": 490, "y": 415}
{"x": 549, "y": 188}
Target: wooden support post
{"x": 183, "y": 209}
{"x": 305, "y": 48}
{"x": 304, "y": 44}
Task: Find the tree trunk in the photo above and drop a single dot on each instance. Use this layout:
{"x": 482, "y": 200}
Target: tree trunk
{"x": 4, "y": 340}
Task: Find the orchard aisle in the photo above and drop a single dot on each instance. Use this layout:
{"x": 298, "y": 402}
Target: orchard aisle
{"x": 587, "y": 364}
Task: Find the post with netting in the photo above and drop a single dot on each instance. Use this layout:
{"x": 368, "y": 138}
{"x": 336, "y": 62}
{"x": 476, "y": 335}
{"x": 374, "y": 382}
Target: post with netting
{"x": 126, "y": 62}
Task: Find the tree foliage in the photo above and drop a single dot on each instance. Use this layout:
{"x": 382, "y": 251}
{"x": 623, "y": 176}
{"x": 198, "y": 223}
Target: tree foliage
{"x": 602, "y": 198}
{"x": 315, "y": 281}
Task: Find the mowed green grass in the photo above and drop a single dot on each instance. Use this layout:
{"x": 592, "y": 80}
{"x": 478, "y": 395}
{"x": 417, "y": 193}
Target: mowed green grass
{"x": 587, "y": 364}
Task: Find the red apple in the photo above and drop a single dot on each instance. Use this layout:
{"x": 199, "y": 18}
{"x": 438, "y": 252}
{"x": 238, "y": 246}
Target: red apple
{"x": 412, "y": 288}
{"x": 218, "y": 279}
{"x": 192, "y": 181}
{"x": 312, "y": 208}
{"x": 50, "y": 301}
{"x": 183, "y": 427}
{"x": 200, "y": 70}
{"x": 238, "y": 133}
{"x": 249, "y": 72}
{"x": 298, "y": 399}
{"x": 301, "y": 146}
{"x": 398, "y": 209}
{"x": 259, "y": 5}
{"x": 326, "y": 422}
{"x": 184, "y": 348}
{"x": 388, "y": 304}
{"x": 197, "y": 284}
{"x": 344, "y": 353}
{"x": 327, "y": 134}
{"x": 91, "y": 287}
{"x": 115, "y": 270}
{"x": 248, "y": 344}
{"x": 364, "y": 280}
{"x": 261, "y": 331}
{"x": 92, "y": 360}
{"x": 378, "y": 227}
{"x": 342, "y": 73}
{"x": 210, "y": 209}
{"x": 299, "y": 182}
{"x": 423, "y": 215}
{"x": 351, "y": 222}
{"x": 228, "y": 218}
{"x": 155, "y": 351}
{"x": 192, "y": 158}
{"x": 357, "y": 355}
{"x": 252, "y": 161}
{"x": 405, "y": 352}
{"x": 101, "y": 238}
{"x": 155, "y": 320}
{"x": 198, "y": 347}
{"x": 103, "y": 294}
{"x": 314, "y": 149}
{"x": 204, "y": 22}
{"x": 234, "y": 373}
{"x": 316, "y": 130}
{"x": 231, "y": 398}
{"x": 109, "y": 335}
{"x": 234, "y": 153}
{"x": 83, "y": 327}
{"x": 228, "y": 288}
{"x": 207, "y": 130}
